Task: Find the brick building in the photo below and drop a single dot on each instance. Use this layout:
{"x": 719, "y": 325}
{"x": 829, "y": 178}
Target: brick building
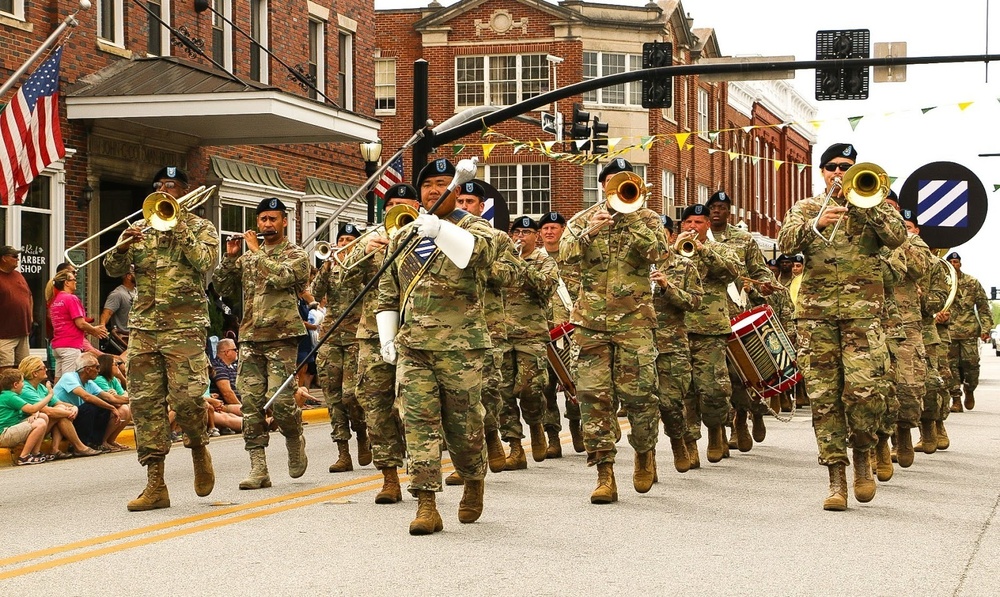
{"x": 499, "y": 52}
{"x": 134, "y": 99}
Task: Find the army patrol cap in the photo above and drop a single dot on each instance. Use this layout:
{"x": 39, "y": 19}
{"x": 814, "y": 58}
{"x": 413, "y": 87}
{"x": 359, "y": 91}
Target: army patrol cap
{"x": 838, "y": 150}
{"x": 553, "y": 217}
{"x": 694, "y": 210}
{"x": 271, "y": 204}
{"x": 953, "y": 255}
{"x": 524, "y": 222}
{"x": 348, "y": 230}
{"x": 614, "y": 167}
{"x": 171, "y": 173}
{"x": 719, "y": 197}
{"x": 401, "y": 191}
{"x": 472, "y": 188}
{"x": 439, "y": 167}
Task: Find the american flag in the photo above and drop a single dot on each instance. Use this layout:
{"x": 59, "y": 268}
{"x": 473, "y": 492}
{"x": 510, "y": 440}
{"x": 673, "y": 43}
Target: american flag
{"x": 29, "y": 129}
{"x": 392, "y": 175}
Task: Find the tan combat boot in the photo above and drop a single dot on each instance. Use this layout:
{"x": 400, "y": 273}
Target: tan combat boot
{"x": 928, "y": 437}
{"x": 970, "y": 398}
{"x": 942, "y": 436}
{"x": 786, "y": 402}
{"x": 297, "y": 459}
{"x": 454, "y": 479}
{"x": 155, "y": 495}
{"x": 555, "y": 444}
{"x": 364, "y": 448}
{"x": 725, "y": 442}
{"x": 744, "y": 443}
{"x": 607, "y": 490}
{"x": 428, "y": 520}
{"x": 538, "y": 444}
{"x": 494, "y": 451}
{"x": 904, "y": 446}
{"x": 759, "y": 431}
{"x": 864, "y": 483}
{"x": 516, "y": 460}
{"x": 391, "y": 491}
{"x": 693, "y": 456}
{"x": 716, "y": 440}
{"x": 258, "y": 477}
{"x": 837, "y": 500}
{"x": 883, "y": 460}
{"x": 343, "y": 463}
{"x": 645, "y": 471}
{"x": 956, "y": 404}
{"x": 775, "y": 403}
{"x": 576, "y": 432}
{"x": 682, "y": 462}
{"x": 204, "y": 474}
{"x": 470, "y": 508}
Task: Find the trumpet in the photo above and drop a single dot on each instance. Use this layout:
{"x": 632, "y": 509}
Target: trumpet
{"x": 625, "y": 193}
{"x": 865, "y": 185}
{"x": 685, "y": 245}
{"x": 323, "y": 250}
{"x": 396, "y": 217}
{"x": 160, "y": 211}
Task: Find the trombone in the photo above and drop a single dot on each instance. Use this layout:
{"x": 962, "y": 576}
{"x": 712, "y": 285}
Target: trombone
{"x": 865, "y": 185}
{"x": 396, "y": 217}
{"x": 159, "y": 210}
{"x": 625, "y": 194}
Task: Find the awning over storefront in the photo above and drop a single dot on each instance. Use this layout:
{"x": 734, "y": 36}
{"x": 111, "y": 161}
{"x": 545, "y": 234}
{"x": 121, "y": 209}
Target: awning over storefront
{"x": 209, "y": 107}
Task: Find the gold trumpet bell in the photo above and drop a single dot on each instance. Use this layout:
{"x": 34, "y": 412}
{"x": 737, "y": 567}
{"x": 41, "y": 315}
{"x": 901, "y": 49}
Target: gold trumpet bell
{"x": 398, "y": 216}
{"x": 160, "y": 211}
{"x": 625, "y": 192}
{"x": 865, "y": 185}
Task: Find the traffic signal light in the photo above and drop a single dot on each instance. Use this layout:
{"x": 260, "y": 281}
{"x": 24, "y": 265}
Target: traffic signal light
{"x": 580, "y": 129}
{"x": 600, "y": 143}
{"x": 995, "y": 292}
{"x": 836, "y": 83}
{"x": 657, "y": 90}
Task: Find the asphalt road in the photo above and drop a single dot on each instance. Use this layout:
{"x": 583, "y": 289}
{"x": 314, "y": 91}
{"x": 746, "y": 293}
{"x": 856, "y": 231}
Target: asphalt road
{"x": 751, "y": 525}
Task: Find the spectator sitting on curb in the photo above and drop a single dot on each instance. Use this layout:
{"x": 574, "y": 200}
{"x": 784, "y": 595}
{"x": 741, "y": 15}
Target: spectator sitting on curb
{"x": 98, "y": 408}
{"x": 223, "y": 377}
{"x": 220, "y": 421}
{"x": 61, "y": 415}
{"x": 107, "y": 380}
{"x": 20, "y": 422}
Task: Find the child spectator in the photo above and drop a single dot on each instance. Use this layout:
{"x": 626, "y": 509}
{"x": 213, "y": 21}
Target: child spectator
{"x": 20, "y": 422}
{"x": 107, "y": 380}
{"x": 61, "y": 415}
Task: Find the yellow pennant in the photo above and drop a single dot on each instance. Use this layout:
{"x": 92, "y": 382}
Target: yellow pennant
{"x": 487, "y": 149}
{"x": 777, "y": 164}
{"x": 732, "y": 155}
{"x": 963, "y": 105}
{"x": 681, "y": 138}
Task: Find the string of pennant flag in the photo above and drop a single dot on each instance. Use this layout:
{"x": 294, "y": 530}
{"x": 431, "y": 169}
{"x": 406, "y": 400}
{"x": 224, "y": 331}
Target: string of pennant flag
{"x": 645, "y": 142}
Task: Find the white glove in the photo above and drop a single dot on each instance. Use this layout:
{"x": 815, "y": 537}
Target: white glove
{"x": 428, "y": 225}
{"x": 388, "y": 325}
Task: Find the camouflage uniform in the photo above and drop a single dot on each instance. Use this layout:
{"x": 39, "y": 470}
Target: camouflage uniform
{"x": 271, "y": 280}
{"x": 496, "y": 386}
{"x": 558, "y": 314}
{"x": 708, "y": 329}
{"x": 337, "y": 362}
{"x": 894, "y": 273}
{"x": 614, "y": 321}
{"x": 683, "y": 293}
{"x": 934, "y": 293}
{"x": 908, "y": 347}
{"x": 970, "y": 318}
{"x": 525, "y": 303}
{"x": 442, "y": 343}
{"x": 168, "y": 366}
{"x": 842, "y": 349}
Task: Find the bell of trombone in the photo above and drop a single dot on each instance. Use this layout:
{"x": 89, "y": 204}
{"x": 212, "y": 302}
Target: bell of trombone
{"x": 398, "y": 216}
{"x": 625, "y": 192}
{"x": 865, "y": 185}
{"x": 160, "y": 211}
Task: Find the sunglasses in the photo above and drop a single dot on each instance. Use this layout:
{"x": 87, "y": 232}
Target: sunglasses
{"x": 164, "y": 185}
{"x": 834, "y": 167}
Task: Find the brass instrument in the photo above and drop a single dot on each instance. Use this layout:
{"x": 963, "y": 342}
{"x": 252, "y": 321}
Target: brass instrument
{"x": 396, "y": 217}
{"x": 322, "y": 251}
{"x": 160, "y": 211}
{"x": 625, "y": 193}
{"x": 952, "y": 281}
{"x": 865, "y": 185}
{"x": 685, "y": 246}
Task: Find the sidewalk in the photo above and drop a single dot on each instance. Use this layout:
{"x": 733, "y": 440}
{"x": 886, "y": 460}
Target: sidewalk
{"x": 127, "y": 436}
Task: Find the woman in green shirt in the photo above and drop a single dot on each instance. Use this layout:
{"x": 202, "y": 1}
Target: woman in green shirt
{"x": 61, "y": 414}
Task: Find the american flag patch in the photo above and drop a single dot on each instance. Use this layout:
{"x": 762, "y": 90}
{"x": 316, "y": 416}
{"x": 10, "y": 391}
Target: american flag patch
{"x": 943, "y": 203}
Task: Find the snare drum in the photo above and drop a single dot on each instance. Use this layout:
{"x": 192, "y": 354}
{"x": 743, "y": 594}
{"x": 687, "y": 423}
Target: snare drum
{"x": 558, "y": 352}
{"x": 762, "y": 353}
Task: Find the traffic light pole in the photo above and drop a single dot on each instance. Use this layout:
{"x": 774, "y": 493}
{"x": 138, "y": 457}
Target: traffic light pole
{"x": 457, "y": 132}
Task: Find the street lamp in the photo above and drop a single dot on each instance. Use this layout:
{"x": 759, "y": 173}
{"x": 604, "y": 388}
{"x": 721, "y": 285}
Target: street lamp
{"x": 370, "y": 153}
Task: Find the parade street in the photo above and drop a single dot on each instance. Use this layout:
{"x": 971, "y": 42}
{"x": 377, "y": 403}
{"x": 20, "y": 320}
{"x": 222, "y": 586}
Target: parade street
{"x": 750, "y": 525}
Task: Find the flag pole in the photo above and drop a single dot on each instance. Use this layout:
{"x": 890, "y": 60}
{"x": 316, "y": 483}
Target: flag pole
{"x": 69, "y": 21}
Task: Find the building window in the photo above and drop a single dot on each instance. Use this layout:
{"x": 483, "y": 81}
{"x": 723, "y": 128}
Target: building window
{"x": 258, "y": 33}
{"x": 14, "y": 8}
{"x": 317, "y": 54}
{"x": 158, "y": 43}
{"x": 591, "y": 188}
{"x": 602, "y": 64}
{"x": 385, "y": 84}
{"x": 685, "y": 123}
{"x": 345, "y": 73}
{"x": 110, "y": 24}
{"x": 499, "y": 80}
{"x": 222, "y": 34}
{"x": 669, "y": 181}
{"x": 526, "y": 187}
{"x": 236, "y": 219}
{"x": 703, "y": 113}
{"x": 703, "y": 194}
